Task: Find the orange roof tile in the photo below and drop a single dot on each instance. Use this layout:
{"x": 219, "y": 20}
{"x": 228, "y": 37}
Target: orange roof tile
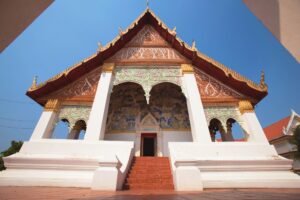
{"x": 275, "y": 130}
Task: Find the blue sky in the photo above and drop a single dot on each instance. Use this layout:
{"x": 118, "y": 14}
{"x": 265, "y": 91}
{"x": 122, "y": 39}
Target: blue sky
{"x": 69, "y": 30}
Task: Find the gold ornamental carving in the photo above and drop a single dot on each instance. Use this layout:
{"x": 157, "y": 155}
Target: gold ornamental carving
{"x": 52, "y": 105}
{"x": 245, "y": 106}
{"x": 187, "y": 68}
{"x": 108, "y": 67}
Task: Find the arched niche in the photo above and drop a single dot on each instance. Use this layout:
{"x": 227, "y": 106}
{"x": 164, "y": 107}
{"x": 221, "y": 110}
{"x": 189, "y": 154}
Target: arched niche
{"x": 216, "y": 130}
{"x": 61, "y": 129}
{"x": 78, "y": 130}
{"x": 126, "y": 102}
{"x": 168, "y": 106}
{"x": 234, "y": 130}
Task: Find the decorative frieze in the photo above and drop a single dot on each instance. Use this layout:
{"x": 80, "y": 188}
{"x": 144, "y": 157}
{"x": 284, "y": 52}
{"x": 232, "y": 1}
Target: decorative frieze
{"x": 210, "y": 87}
{"x": 85, "y": 86}
{"x": 74, "y": 114}
{"x": 147, "y": 77}
{"x": 146, "y": 53}
{"x": 223, "y": 113}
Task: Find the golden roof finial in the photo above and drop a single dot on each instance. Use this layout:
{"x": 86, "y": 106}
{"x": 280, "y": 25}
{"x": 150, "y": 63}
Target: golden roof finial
{"x": 262, "y": 79}
{"x": 194, "y": 46}
{"x": 99, "y": 47}
{"x": 34, "y": 83}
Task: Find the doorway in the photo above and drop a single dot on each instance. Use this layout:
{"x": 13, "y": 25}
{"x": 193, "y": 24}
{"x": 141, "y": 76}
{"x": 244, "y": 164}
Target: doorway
{"x": 148, "y": 147}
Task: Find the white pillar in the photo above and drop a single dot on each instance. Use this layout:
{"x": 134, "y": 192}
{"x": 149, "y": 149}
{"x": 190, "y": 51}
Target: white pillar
{"x": 256, "y": 133}
{"x": 197, "y": 117}
{"x": 47, "y": 121}
{"x": 98, "y": 115}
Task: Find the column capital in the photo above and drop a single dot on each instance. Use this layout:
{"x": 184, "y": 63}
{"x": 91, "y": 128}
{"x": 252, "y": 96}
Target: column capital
{"x": 108, "y": 67}
{"x": 52, "y": 105}
{"x": 245, "y": 106}
{"x": 187, "y": 69}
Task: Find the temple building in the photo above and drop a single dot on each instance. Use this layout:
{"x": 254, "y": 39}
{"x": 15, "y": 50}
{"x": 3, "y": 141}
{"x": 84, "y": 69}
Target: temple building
{"x": 280, "y": 133}
{"x": 155, "y": 113}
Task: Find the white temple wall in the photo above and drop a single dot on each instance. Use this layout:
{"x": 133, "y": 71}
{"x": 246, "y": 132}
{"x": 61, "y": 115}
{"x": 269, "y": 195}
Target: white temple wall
{"x": 174, "y": 136}
{"x": 163, "y": 139}
{"x": 120, "y": 136}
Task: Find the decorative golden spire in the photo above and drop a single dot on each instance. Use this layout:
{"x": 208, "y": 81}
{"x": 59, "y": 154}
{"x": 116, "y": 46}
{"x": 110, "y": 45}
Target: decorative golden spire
{"x": 194, "y": 46}
{"x": 262, "y": 80}
{"x": 34, "y": 82}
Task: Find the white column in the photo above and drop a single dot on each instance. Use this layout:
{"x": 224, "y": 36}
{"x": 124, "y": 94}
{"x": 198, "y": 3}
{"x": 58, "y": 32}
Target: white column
{"x": 45, "y": 125}
{"x": 197, "y": 117}
{"x": 256, "y": 133}
{"x": 98, "y": 115}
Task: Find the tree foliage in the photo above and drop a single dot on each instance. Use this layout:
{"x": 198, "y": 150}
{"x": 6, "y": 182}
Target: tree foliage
{"x": 296, "y": 141}
{"x": 14, "y": 148}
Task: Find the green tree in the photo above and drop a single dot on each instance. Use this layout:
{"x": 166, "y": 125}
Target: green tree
{"x": 14, "y": 148}
{"x": 296, "y": 141}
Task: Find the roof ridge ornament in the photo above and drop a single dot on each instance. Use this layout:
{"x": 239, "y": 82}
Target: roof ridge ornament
{"x": 121, "y": 32}
{"x": 194, "y": 48}
{"x": 174, "y": 30}
{"x": 100, "y": 47}
{"x": 262, "y": 80}
{"x": 34, "y": 82}
{"x": 147, "y": 5}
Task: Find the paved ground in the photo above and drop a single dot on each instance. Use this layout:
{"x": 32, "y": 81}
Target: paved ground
{"x": 34, "y": 193}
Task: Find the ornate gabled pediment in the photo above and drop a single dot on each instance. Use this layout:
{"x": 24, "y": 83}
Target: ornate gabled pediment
{"x": 147, "y": 46}
{"x": 210, "y": 88}
{"x": 84, "y": 87}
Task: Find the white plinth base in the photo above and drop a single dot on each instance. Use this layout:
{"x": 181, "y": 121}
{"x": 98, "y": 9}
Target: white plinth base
{"x": 100, "y": 165}
{"x": 229, "y": 165}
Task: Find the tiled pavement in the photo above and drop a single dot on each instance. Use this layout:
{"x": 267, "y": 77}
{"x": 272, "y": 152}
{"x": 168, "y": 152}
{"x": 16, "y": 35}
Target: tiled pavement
{"x": 34, "y": 193}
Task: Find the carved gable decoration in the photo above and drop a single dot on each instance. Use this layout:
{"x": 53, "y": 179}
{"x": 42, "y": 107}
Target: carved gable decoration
{"x": 210, "y": 88}
{"x": 147, "y": 45}
{"x": 85, "y": 86}
{"x": 148, "y": 36}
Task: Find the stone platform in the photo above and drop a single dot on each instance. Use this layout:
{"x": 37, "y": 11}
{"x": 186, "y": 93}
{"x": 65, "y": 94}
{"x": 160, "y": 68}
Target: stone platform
{"x": 37, "y": 193}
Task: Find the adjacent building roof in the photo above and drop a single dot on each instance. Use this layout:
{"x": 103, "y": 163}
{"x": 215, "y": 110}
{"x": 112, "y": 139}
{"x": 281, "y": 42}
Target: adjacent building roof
{"x": 275, "y": 130}
{"x": 229, "y": 77}
{"x": 283, "y": 127}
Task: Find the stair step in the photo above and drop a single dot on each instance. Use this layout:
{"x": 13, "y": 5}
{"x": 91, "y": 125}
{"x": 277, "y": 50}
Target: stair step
{"x": 149, "y": 173}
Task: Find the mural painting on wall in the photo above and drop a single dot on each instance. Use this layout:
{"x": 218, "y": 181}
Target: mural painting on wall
{"x": 168, "y": 106}
{"x": 128, "y": 107}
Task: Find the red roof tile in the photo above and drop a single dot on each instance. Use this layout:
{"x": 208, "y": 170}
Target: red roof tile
{"x": 274, "y": 130}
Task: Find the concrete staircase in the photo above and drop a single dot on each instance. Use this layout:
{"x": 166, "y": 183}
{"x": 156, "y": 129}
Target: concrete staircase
{"x": 149, "y": 173}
